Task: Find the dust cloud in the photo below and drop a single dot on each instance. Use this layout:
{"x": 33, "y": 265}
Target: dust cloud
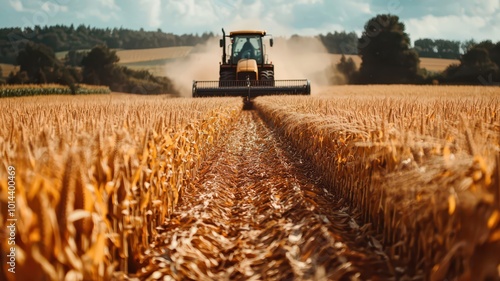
{"x": 293, "y": 58}
{"x": 301, "y": 58}
{"x": 202, "y": 63}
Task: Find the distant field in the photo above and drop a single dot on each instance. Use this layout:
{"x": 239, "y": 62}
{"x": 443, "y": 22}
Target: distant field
{"x": 156, "y": 67}
{"x": 152, "y": 55}
{"x": 7, "y": 69}
{"x": 431, "y": 64}
{"x": 154, "y": 60}
{"x": 142, "y": 55}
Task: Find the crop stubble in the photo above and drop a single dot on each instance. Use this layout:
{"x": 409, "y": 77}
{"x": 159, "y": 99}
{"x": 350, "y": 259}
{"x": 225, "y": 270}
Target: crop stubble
{"x": 254, "y": 214}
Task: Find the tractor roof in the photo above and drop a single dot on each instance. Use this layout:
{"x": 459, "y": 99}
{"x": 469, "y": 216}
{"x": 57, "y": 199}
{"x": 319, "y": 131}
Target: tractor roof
{"x": 247, "y": 32}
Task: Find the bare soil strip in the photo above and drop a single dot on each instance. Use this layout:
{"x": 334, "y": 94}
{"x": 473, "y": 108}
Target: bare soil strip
{"x": 257, "y": 212}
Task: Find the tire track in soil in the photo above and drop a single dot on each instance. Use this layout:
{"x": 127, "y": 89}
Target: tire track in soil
{"x": 256, "y": 213}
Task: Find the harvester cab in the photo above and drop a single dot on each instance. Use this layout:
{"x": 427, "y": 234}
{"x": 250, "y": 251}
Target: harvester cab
{"x": 246, "y": 71}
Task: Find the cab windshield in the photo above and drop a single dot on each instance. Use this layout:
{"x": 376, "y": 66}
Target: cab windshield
{"x": 247, "y": 47}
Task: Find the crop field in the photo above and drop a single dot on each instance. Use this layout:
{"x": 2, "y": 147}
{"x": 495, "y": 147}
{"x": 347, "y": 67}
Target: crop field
{"x": 431, "y": 64}
{"x": 354, "y": 183}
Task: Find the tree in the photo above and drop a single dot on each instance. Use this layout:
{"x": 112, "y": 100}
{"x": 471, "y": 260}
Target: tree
{"x": 37, "y": 60}
{"x": 426, "y": 48}
{"x": 340, "y": 42}
{"x": 476, "y": 56}
{"x": 347, "y": 67}
{"x": 385, "y": 52}
{"x": 74, "y": 58}
{"x": 448, "y": 49}
{"x": 52, "y": 40}
{"x": 98, "y": 66}
{"x": 439, "y": 48}
{"x": 467, "y": 45}
{"x": 2, "y": 80}
{"x": 495, "y": 54}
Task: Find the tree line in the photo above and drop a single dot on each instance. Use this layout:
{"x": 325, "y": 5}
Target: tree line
{"x": 65, "y": 38}
{"x": 347, "y": 43}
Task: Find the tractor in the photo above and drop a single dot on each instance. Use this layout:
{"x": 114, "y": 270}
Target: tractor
{"x": 246, "y": 70}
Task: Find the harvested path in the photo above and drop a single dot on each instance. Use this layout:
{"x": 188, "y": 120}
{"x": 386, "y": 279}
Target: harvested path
{"x": 257, "y": 213}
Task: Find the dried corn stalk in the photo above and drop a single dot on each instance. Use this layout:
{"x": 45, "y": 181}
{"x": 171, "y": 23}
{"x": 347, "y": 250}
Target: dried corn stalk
{"x": 97, "y": 175}
{"x": 423, "y": 171}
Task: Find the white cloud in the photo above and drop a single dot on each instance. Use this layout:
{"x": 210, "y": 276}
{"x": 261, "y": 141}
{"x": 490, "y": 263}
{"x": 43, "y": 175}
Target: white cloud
{"x": 480, "y": 7}
{"x": 102, "y": 15}
{"x": 456, "y": 27}
{"x": 360, "y": 7}
{"x": 110, "y": 4}
{"x": 17, "y": 5}
{"x": 103, "y": 10}
{"x": 153, "y": 8}
{"x": 281, "y": 17}
{"x": 53, "y": 8}
{"x": 191, "y": 12}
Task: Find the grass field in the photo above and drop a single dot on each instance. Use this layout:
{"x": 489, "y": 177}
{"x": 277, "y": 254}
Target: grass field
{"x": 367, "y": 182}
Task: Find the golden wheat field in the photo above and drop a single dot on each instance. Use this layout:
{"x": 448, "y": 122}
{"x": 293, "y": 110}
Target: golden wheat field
{"x": 355, "y": 183}
{"x": 431, "y": 64}
{"x": 144, "y": 55}
{"x": 95, "y": 176}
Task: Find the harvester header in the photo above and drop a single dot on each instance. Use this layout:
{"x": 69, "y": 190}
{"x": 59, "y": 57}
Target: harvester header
{"x": 245, "y": 70}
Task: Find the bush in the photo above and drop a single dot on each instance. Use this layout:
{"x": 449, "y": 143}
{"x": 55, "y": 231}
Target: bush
{"x": 480, "y": 65}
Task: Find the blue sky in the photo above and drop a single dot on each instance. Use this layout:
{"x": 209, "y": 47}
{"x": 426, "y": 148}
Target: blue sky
{"x": 447, "y": 19}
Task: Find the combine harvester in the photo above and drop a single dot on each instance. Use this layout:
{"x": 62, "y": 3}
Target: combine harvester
{"x": 246, "y": 72}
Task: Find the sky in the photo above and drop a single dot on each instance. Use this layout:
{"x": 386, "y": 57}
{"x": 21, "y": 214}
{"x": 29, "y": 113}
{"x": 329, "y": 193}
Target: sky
{"x": 444, "y": 19}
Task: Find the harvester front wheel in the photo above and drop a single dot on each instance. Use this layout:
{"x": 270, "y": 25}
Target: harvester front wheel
{"x": 267, "y": 77}
{"x": 225, "y": 77}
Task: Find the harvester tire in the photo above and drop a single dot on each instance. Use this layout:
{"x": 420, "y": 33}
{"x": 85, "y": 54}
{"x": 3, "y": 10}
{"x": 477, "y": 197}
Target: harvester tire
{"x": 267, "y": 77}
{"x": 226, "y": 76}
